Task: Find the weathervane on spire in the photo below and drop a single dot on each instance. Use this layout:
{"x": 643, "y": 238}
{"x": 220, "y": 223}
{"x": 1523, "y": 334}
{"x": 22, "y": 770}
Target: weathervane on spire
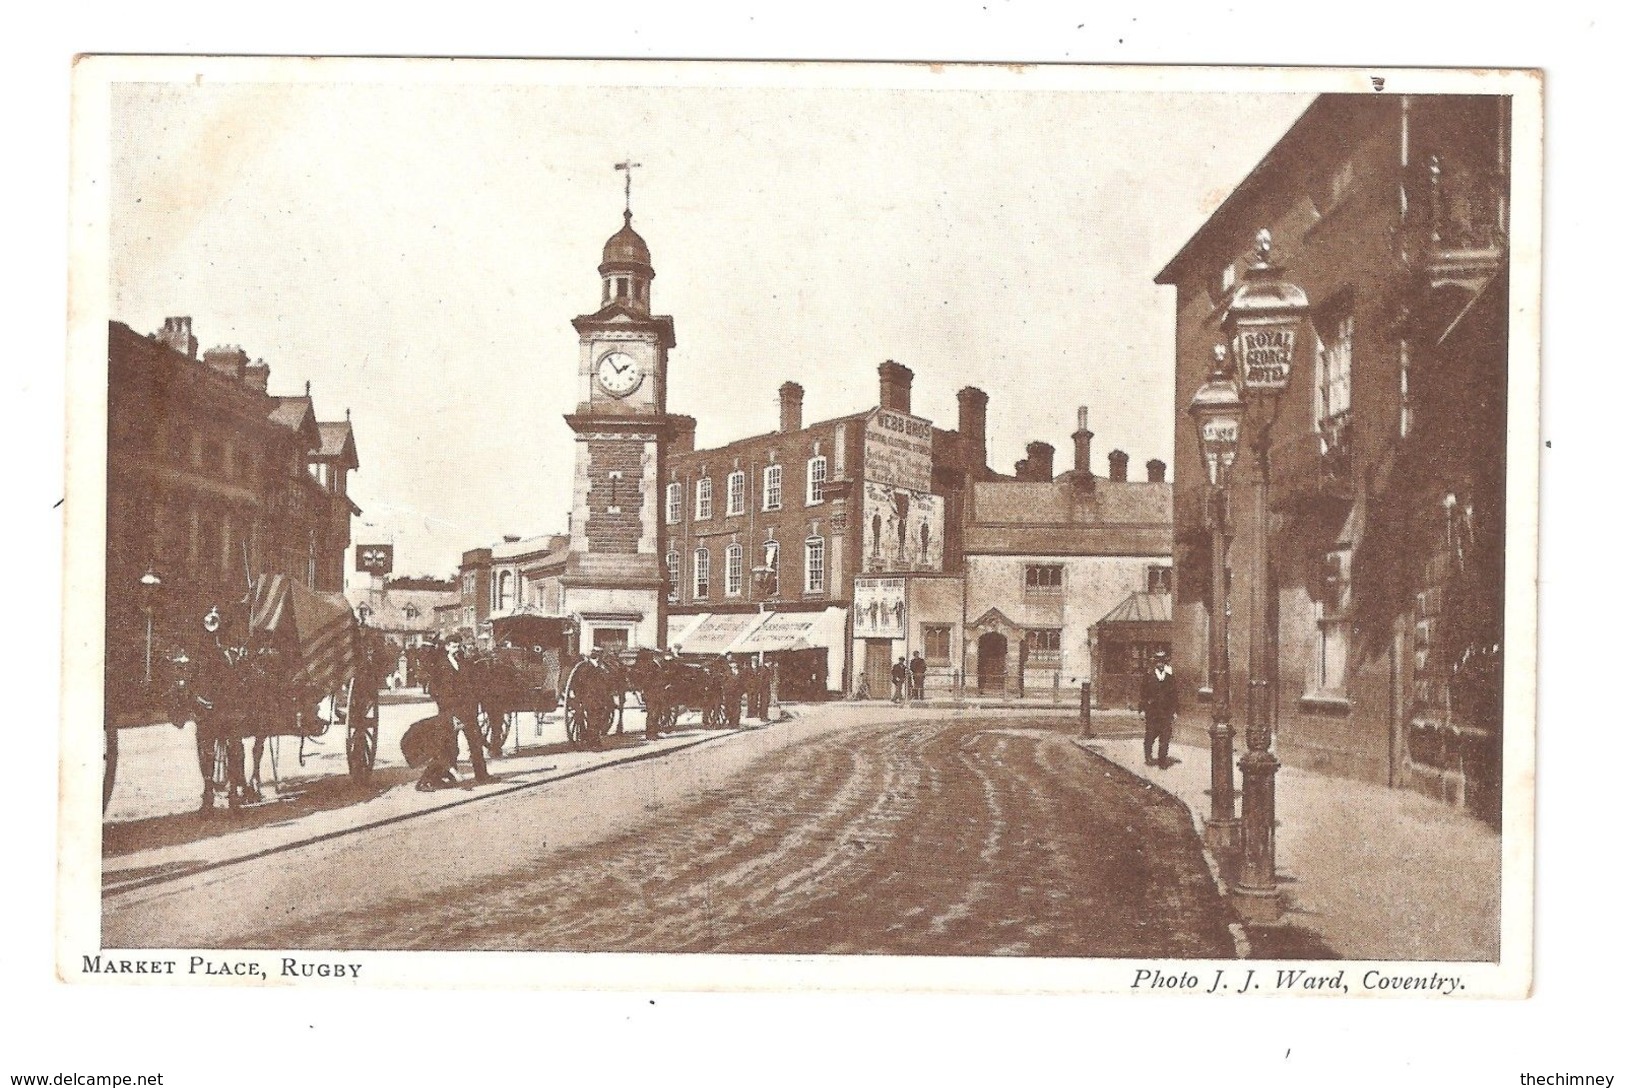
{"x": 628, "y": 165}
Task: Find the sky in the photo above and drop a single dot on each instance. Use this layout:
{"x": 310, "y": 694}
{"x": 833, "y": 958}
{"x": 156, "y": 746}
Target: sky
{"x": 416, "y": 250}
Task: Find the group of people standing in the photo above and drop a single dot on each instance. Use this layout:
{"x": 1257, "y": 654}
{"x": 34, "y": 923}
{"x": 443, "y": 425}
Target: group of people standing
{"x": 908, "y": 679}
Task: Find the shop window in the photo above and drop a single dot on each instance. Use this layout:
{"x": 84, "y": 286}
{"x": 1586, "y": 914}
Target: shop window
{"x": 938, "y": 643}
{"x": 1044, "y": 579}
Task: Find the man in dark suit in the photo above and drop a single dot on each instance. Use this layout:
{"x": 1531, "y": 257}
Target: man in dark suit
{"x": 1159, "y": 702}
{"x": 459, "y": 706}
{"x": 916, "y": 676}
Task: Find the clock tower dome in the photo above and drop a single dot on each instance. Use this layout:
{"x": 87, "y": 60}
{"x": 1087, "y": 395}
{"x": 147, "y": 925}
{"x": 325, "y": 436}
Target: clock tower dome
{"x": 614, "y": 579}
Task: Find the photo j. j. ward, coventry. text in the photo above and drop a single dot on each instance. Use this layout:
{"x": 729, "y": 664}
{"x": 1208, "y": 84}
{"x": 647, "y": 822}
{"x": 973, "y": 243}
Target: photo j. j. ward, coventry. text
{"x": 1043, "y": 542}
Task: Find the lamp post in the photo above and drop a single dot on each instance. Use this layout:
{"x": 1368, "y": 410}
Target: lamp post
{"x": 1217, "y": 408}
{"x": 150, "y": 582}
{"x": 1262, "y": 322}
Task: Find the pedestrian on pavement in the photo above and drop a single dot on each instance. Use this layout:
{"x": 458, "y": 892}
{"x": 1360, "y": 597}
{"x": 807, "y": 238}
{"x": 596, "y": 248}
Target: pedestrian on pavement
{"x": 1159, "y": 702}
{"x": 899, "y": 677}
{"x": 459, "y": 707}
{"x": 916, "y": 675}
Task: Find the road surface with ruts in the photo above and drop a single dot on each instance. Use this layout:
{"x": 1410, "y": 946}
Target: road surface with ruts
{"x": 946, "y": 834}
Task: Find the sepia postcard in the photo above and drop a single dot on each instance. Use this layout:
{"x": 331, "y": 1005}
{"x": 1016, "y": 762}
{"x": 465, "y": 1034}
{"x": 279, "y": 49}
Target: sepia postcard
{"x": 846, "y": 526}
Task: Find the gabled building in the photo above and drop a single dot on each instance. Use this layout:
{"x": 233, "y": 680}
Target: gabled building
{"x": 1387, "y": 523}
{"x": 210, "y": 481}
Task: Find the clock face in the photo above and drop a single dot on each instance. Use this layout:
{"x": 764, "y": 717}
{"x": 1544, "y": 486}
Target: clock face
{"x": 619, "y": 373}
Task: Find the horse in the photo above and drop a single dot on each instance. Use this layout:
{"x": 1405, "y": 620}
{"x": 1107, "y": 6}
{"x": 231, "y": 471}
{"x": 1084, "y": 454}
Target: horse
{"x": 230, "y": 693}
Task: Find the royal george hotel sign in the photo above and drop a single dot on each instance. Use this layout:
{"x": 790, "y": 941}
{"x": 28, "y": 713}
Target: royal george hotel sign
{"x": 1266, "y": 356}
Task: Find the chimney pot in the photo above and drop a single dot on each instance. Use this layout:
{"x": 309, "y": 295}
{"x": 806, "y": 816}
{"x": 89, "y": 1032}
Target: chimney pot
{"x": 1040, "y": 462}
{"x": 1084, "y": 476}
{"x": 1156, "y": 471}
{"x": 790, "y": 396}
{"x": 1119, "y": 465}
{"x": 896, "y": 386}
{"x": 177, "y": 334}
{"x": 973, "y": 428}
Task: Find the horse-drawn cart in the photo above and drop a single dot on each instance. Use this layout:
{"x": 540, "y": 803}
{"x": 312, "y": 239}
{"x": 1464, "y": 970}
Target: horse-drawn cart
{"x": 521, "y": 674}
{"x": 283, "y": 661}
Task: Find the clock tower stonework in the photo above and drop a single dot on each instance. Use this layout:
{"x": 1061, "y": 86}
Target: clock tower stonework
{"x": 615, "y": 578}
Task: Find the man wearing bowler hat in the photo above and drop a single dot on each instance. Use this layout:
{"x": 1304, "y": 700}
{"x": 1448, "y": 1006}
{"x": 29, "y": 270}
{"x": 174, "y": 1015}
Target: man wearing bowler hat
{"x": 1159, "y": 702}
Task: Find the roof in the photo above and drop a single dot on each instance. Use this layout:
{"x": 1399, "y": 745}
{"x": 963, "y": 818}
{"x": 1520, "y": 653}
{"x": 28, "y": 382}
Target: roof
{"x": 292, "y": 411}
{"x": 1113, "y": 502}
{"x": 1325, "y": 121}
{"x": 338, "y": 442}
{"x": 403, "y": 609}
{"x": 1142, "y": 607}
{"x": 626, "y": 246}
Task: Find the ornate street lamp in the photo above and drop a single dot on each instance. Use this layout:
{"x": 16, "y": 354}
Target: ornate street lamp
{"x": 150, "y": 584}
{"x": 1217, "y": 410}
{"x": 1264, "y": 323}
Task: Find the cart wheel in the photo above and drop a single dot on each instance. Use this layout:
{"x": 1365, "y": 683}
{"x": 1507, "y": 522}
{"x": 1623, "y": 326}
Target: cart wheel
{"x": 109, "y": 764}
{"x": 361, "y": 740}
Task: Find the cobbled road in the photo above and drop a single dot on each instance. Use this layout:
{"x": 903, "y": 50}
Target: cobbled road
{"x": 947, "y": 835}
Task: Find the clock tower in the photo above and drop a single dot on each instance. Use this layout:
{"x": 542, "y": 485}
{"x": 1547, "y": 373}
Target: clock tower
{"x": 614, "y": 579}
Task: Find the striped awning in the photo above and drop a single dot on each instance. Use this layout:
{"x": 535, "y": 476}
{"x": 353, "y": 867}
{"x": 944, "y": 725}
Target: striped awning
{"x": 318, "y": 630}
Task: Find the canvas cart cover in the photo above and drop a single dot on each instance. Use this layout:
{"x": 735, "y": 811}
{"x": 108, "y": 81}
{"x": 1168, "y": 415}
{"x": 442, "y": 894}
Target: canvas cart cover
{"x": 317, "y": 629}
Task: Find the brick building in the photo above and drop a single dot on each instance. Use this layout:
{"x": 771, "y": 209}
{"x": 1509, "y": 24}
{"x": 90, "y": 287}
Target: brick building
{"x": 210, "y": 479}
{"x": 1387, "y": 523}
{"x": 770, "y": 540}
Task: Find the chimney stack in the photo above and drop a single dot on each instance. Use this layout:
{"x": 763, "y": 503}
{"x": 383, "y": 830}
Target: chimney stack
{"x": 896, "y": 385}
{"x": 682, "y": 435}
{"x": 1119, "y": 466}
{"x": 1156, "y": 471}
{"x": 177, "y": 334}
{"x": 973, "y": 428}
{"x": 257, "y": 375}
{"x": 230, "y": 362}
{"x": 1085, "y": 474}
{"x": 1040, "y": 462}
{"x": 789, "y": 408}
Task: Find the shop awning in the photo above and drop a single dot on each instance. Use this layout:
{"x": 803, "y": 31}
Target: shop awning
{"x": 822, "y": 630}
{"x": 717, "y": 632}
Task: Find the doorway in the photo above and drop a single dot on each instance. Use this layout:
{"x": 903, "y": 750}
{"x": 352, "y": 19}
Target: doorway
{"x": 877, "y": 667}
{"x": 992, "y": 655}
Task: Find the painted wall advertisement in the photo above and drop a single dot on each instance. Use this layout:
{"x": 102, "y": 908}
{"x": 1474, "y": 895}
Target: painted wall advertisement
{"x": 897, "y": 450}
{"x": 902, "y": 529}
{"x": 878, "y": 610}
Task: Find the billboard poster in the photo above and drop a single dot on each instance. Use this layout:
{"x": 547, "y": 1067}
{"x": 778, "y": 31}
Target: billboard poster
{"x": 902, "y": 529}
{"x": 878, "y": 610}
{"x": 897, "y": 450}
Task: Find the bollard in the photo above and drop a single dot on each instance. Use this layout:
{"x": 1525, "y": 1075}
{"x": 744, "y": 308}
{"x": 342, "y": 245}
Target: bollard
{"x": 1084, "y": 715}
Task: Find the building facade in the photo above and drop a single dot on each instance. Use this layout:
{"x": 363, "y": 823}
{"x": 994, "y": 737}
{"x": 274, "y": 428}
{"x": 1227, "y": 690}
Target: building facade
{"x": 1386, "y": 527}
{"x": 807, "y": 527}
{"x": 211, "y": 480}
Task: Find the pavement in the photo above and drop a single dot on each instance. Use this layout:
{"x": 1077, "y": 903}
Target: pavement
{"x": 1367, "y": 872}
{"x": 144, "y": 852}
